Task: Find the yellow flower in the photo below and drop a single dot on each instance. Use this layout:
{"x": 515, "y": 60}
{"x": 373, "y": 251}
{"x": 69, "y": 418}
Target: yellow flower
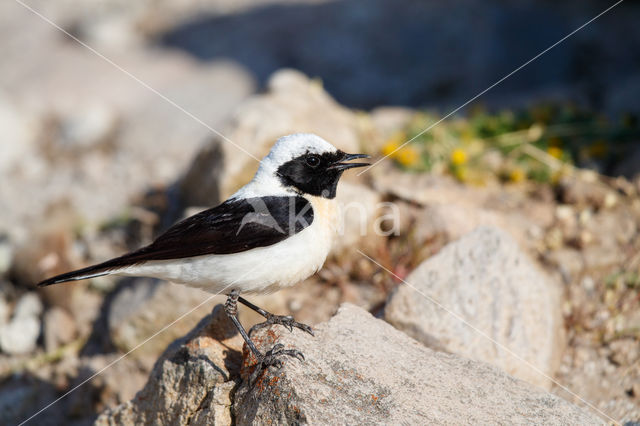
{"x": 516, "y": 175}
{"x": 555, "y": 152}
{"x": 390, "y": 149}
{"x": 407, "y": 156}
{"x": 458, "y": 157}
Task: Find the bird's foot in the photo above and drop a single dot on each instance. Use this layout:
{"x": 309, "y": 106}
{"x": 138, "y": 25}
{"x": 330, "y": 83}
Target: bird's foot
{"x": 286, "y": 320}
{"x": 273, "y": 358}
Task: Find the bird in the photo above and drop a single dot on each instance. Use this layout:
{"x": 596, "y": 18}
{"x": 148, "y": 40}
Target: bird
{"x": 272, "y": 233}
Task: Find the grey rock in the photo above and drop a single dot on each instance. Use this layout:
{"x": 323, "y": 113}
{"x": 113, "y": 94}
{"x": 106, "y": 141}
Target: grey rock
{"x": 92, "y": 127}
{"x": 486, "y": 280}
{"x": 360, "y": 370}
{"x": 28, "y": 305}
{"x": 191, "y": 383}
{"x": 20, "y": 335}
{"x": 583, "y": 190}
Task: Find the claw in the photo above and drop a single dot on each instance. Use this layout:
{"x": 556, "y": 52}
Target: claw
{"x": 285, "y": 320}
{"x": 272, "y": 359}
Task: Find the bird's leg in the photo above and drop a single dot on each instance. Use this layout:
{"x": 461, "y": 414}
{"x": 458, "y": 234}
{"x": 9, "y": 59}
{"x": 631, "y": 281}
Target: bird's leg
{"x": 285, "y": 320}
{"x": 231, "y": 309}
{"x": 264, "y": 360}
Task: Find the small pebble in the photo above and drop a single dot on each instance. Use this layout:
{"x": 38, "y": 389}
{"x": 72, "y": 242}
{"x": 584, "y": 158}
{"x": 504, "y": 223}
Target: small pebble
{"x": 20, "y": 335}
{"x": 29, "y": 305}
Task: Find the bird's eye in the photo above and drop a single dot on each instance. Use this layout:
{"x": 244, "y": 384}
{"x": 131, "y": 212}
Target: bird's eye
{"x": 312, "y": 160}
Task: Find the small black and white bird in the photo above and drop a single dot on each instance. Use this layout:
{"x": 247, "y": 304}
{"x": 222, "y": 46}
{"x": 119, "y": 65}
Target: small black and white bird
{"x": 274, "y": 232}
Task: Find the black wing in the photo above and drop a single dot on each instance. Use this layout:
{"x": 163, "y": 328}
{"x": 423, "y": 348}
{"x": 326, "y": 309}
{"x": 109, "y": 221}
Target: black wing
{"x": 232, "y": 227}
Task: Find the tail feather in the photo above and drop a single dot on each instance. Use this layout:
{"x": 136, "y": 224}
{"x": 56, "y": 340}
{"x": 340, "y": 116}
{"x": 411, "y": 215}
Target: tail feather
{"x": 106, "y": 268}
{"x": 72, "y": 276}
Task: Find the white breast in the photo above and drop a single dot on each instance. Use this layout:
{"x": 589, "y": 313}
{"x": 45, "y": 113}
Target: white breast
{"x": 260, "y": 270}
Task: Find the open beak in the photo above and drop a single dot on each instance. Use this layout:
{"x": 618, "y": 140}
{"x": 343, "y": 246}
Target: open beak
{"x": 341, "y": 165}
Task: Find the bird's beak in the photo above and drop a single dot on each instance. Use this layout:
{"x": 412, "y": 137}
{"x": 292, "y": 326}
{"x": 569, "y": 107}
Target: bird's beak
{"x": 341, "y": 165}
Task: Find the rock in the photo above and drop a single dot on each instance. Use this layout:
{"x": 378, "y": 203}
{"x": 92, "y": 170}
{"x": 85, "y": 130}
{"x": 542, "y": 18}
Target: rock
{"x": 451, "y": 209}
{"x": 89, "y": 128}
{"x": 452, "y": 221}
{"x": 29, "y": 305}
{"x": 624, "y": 352}
{"x": 569, "y": 262}
{"x": 192, "y": 381}
{"x": 486, "y": 280}
{"x": 598, "y": 257}
{"x": 425, "y": 189}
{"x": 360, "y": 370}
{"x": 143, "y": 306}
{"x": 58, "y": 328}
{"x": 583, "y": 190}
{"x": 20, "y": 335}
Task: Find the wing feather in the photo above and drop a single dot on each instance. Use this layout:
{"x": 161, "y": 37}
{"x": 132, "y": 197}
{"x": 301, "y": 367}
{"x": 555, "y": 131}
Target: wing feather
{"x": 232, "y": 227}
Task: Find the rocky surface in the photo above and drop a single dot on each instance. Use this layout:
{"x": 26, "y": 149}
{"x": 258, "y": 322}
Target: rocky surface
{"x": 481, "y": 297}
{"x": 451, "y": 209}
{"x": 581, "y": 240}
{"x": 191, "y": 383}
{"x": 376, "y": 374}
{"x": 201, "y": 379}
{"x": 97, "y": 164}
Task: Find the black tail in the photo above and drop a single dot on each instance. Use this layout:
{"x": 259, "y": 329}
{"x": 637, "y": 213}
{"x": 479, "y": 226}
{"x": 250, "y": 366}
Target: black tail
{"x": 104, "y": 268}
{"x": 80, "y": 274}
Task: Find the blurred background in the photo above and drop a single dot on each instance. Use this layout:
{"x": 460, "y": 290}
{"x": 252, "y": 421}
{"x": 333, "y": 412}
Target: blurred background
{"x": 118, "y": 118}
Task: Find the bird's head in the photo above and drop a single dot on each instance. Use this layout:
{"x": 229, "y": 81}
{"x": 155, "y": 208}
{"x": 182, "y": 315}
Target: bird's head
{"x": 306, "y": 163}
